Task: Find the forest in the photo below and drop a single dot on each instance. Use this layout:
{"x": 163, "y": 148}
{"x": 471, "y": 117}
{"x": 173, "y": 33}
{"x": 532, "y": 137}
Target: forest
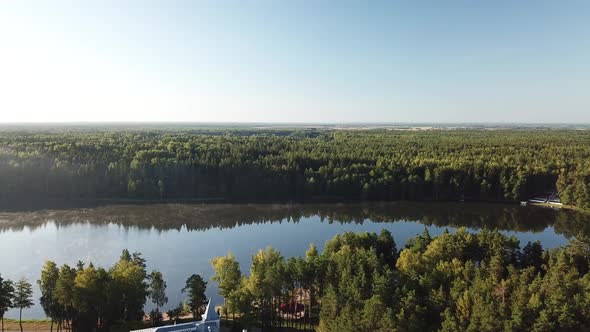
{"x": 86, "y": 298}
{"x": 238, "y": 165}
{"x": 461, "y": 281}
{"x": 452, "y": 282}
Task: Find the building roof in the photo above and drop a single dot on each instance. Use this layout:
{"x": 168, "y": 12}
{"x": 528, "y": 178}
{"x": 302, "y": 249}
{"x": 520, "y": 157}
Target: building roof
{"x": 210, "y": 314}
{"x": 209, "y": 323}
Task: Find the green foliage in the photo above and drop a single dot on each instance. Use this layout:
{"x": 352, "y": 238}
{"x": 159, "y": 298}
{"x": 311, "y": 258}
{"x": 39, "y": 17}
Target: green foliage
{"x": 157, "y": 289}
{"x": 129, "y": 286}
{"x": 88, "y": 298}
{"x": 23, "y": 297}
{"x": 64, "y": 294}
{"x": 451, "y": 282}
{"x": 6, "y": 297}
{"x": 266, "y": 274}
{"x": 228, "y": 276}
{"x": 195, "y": 287}
{"x": 227, "y": 273}
{"x": 276, "y": 166}
{"x": 23, "y": 294}
{"x": 47, "y": 284}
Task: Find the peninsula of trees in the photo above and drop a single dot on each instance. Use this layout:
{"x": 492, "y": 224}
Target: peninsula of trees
{"x": 449, "y": 283}
{"x": 289, "y": 166}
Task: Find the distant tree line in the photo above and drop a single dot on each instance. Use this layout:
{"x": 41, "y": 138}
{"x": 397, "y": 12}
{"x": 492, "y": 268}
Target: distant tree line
{"x": 452, "y": 283}
{"x": 504, "y": 165}
{"x": 88, "y": 298}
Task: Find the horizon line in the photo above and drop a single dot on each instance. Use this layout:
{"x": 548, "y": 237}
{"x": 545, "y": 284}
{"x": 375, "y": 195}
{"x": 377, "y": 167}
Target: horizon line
{"x": 322, "y": 123}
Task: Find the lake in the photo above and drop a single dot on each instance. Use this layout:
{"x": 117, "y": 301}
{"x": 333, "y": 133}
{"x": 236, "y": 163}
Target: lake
{"x": 181, "y": 239}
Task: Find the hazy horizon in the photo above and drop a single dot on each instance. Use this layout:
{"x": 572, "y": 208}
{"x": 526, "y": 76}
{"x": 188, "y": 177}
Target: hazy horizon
{"x": 295, "y": 123}
{"x": 324, "y": 62}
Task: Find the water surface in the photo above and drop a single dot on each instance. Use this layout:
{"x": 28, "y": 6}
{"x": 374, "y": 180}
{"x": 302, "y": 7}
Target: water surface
{"x": 181, "y": 239}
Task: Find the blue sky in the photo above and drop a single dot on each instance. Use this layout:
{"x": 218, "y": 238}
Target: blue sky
{"x": 295, "y": 61}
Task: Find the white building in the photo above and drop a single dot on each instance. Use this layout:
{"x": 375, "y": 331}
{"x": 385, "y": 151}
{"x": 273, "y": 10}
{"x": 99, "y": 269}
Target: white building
{"x": 209, "y": 323}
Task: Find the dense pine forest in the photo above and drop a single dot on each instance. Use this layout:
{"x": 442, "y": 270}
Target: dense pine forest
{"x": 452, "y": 282}
{"x": 248, "y": 165}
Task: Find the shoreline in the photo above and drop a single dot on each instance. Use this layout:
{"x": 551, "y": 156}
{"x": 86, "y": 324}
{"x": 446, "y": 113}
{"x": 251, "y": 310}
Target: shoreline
{"x": 559, "y": 207}
{"x": 83, "y": 204}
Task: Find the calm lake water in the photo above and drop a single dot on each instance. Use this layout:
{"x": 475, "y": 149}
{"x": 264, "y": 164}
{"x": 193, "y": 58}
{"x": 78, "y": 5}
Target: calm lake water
{"x": 181, "y": 239}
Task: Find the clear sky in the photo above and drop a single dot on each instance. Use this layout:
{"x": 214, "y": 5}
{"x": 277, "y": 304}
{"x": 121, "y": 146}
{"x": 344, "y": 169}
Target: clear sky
{"x": 295, "y": 61}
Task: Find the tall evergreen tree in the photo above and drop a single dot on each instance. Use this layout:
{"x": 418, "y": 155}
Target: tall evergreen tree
{"x": 23, "y": 298}
{"x": 195, "y": 286}
{"x": 157, "y": 289}
{"x": 6, "y": 297}
{"x": 47, "y": 284}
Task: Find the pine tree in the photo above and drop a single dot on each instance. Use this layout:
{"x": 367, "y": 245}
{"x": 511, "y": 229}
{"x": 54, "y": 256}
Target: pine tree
{"x": 195, "y": 287}
{"x": 6, "y": 297}
{"x": 23, "y": 298}
{"x": 47, "y": 283}
{"x": 157, "y": 289}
